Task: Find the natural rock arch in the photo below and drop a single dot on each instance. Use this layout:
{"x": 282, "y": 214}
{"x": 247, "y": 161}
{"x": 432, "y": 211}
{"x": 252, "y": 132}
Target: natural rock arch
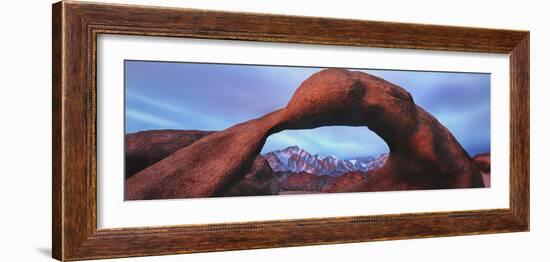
{"x": 423, "y": 153}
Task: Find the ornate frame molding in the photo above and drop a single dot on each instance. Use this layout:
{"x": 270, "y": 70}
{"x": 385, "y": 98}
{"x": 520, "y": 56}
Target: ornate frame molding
{"x": 76, "y": 26}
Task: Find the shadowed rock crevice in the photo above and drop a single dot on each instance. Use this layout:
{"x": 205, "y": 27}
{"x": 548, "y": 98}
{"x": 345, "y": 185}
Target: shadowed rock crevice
{"x": 423, "y": 153}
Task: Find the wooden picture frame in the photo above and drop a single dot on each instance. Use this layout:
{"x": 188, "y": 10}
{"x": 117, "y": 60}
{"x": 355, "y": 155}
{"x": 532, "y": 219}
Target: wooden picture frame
{"x": 76, "y": 26}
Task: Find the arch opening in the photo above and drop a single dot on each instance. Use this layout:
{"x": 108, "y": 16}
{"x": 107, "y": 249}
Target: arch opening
{"x": 343, "y": 142}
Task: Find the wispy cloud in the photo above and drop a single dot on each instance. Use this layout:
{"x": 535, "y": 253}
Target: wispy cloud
{"x": 163, "y": 105}
{"x": 177, "y": 116}
{"x": 214, "y": 97}
{"x": 150, "y": 119}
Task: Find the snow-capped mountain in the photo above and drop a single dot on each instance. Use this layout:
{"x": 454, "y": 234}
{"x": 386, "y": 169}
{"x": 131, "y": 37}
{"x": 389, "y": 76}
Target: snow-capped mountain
{"x": 294, "y": 159}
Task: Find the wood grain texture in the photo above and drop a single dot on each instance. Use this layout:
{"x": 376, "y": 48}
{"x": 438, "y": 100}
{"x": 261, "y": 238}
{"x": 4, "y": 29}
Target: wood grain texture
{"x": 519, "y": 129}
{"x": 57, "y": 202}
{"x": 76, "y": 26}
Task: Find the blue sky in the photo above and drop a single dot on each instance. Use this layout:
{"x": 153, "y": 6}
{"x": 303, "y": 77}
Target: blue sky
{"x": 168, "y": 95}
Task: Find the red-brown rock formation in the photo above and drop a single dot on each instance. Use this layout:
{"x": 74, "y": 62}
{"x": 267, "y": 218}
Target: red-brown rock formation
{"x": 423, "y": 153}
{"x": 301, "y": 182}
{"x": 344, "y": 182}
{"x": 483, "y": 162}
{"x": 260, "y": 180}
{"x": 148, "y": 147}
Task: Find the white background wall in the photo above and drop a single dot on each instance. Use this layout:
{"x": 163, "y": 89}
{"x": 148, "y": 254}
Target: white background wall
{"x": 25, "y": 150}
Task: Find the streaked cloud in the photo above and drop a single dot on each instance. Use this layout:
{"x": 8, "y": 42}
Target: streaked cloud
{"x": 150, "y": 119}
{"x": 167, "y": 95}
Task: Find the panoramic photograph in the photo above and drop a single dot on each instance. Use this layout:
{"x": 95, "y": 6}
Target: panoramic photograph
{"x": 195, "y": 130}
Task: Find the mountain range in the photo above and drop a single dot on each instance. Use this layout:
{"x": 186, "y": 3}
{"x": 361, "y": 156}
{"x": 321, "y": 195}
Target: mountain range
{"x": 294, "y": 159}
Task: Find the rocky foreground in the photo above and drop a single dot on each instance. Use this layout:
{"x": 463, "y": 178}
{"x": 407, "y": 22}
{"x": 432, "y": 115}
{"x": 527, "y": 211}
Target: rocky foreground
{"x": 423, "y": 153}
{"x": 288, "y": 171}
